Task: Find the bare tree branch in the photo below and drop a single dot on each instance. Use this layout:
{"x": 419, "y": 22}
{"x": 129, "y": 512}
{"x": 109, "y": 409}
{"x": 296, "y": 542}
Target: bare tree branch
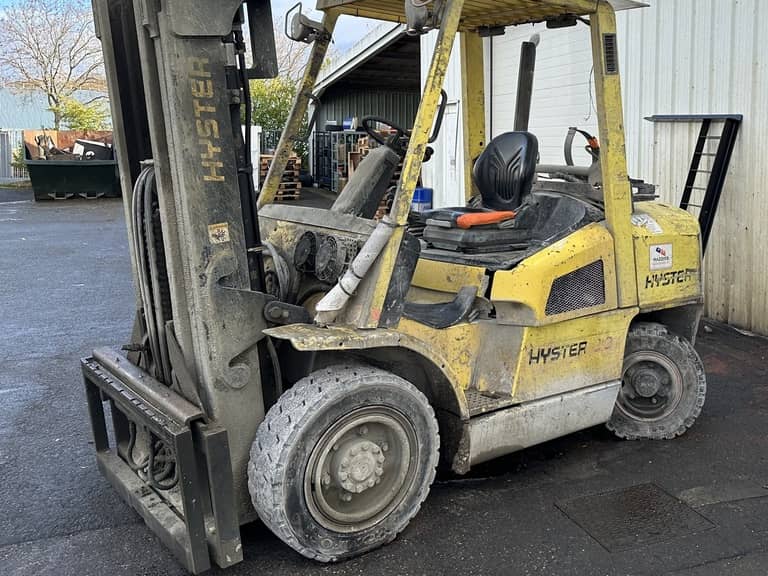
{"x": 49, "y": 47}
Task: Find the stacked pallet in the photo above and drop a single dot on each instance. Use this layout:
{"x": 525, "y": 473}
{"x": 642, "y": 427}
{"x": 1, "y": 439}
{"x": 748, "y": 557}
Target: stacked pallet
{"x": 290, "y": 185}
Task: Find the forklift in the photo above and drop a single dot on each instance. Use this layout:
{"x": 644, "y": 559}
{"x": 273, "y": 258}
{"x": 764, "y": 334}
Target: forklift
{"x": 311, "y": 368}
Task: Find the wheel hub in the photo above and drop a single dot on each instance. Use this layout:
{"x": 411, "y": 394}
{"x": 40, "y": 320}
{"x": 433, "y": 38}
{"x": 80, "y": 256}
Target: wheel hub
{"x": 652, "y": 386}
{"x": 646, "y": 382}
{"x": 361, "y": 466}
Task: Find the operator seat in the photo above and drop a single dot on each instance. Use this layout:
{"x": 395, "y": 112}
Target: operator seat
{"x": 504, "y": 175}
{"x": 505, "y": 171}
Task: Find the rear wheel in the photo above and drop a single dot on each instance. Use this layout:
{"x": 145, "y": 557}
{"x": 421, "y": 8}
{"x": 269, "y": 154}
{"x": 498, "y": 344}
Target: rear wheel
{"x": 343, "y": 461}
{"x": 663, "y": 385}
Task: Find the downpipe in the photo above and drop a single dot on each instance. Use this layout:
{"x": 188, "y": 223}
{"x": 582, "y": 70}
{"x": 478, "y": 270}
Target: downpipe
{"x": 334, "y": 302}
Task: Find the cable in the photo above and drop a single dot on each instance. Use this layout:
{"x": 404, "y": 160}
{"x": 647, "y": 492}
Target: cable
{"x": 253, "y": 235}
{"x": 278, "y": 375}
{"x": 283, "y": 271}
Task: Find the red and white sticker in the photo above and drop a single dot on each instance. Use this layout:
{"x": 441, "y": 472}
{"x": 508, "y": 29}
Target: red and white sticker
{"x": 661, "y": 256}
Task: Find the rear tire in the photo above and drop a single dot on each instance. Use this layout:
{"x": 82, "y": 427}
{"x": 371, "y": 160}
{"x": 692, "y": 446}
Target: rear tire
{"x": 343, "y": 461}
{"x": 663, "y": 385}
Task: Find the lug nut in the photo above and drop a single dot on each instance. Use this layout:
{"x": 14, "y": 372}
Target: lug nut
{"x": 380, "y": 458}
{"x": 366, "y": 447}
{"x": 343, "y": 475}
{"x": 363, "y": 430}
{"x": 385, "y": 447}
{"x": 379, "y": 471}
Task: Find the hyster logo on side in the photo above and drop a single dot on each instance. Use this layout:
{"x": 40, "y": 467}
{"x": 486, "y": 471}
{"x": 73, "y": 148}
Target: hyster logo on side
{"x": 555, "y": 353}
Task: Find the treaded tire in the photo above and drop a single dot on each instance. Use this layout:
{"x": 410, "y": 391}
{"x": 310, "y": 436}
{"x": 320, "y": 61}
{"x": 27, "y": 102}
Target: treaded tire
{"x": 296, "y": 424}
{"x": 655, "y": 338}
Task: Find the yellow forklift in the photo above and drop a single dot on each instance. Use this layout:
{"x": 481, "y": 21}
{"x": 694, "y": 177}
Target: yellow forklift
{"x": 311, "y": 367}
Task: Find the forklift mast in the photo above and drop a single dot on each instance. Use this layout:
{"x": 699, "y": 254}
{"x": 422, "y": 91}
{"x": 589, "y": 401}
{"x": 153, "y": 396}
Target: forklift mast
{"x": 176, "y": 72}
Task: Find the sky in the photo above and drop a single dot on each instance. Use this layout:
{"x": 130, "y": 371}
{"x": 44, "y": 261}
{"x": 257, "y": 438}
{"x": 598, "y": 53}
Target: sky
{"x": 348, "y": 30}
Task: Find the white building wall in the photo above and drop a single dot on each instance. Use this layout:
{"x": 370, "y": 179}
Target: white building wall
{"x": 678, "y": 57}
{"x": 706, "y": 57}
{"x": 562, "y": 95}
{"x": 445, "y": 171}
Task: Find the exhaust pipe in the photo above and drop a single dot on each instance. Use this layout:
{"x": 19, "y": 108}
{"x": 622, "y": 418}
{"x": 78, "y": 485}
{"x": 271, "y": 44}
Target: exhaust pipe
{"x": 525, "y": 83}
{"x": 334, "y": 302}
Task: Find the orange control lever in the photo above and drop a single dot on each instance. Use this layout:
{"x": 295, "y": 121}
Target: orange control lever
{"x": 467, "y": 221}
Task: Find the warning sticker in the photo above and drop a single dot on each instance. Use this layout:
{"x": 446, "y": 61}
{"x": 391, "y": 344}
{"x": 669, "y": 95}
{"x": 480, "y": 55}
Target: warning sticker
{"x": 645, "y": 221}
{"x": 218, "y": 233}
{"x": 661, "y": 256}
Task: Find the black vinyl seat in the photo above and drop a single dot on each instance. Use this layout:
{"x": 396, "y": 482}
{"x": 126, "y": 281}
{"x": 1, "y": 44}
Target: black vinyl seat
{"x": 504, "y": 175}
{"x": 505, "y": 171}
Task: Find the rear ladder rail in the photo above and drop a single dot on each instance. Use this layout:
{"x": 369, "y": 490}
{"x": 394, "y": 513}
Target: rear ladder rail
{"x": 719, "y": 166}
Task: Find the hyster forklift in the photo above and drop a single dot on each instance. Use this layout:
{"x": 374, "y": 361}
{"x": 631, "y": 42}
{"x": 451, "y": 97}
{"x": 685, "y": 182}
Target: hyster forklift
{"x": 312, "y": 367}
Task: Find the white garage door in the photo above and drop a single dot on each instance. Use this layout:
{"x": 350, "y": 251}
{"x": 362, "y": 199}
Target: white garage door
{"x": 563, "y": 94}
{"x": 562, "y": 98}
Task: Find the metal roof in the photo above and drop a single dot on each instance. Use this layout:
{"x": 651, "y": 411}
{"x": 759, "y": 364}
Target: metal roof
{"x": 27, "y": 111}
{"x": 476, "y": 13}
{"x": 386, "y": 58}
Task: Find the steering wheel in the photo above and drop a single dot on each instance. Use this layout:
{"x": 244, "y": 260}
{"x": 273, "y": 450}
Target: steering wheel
{"x": 368, "y": 125}
{"x": 402, "y": 135}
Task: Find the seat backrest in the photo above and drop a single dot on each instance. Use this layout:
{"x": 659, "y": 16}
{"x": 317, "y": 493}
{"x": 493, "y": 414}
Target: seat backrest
{"x": 368, "y": 184}
{"x": 505, "y": 170}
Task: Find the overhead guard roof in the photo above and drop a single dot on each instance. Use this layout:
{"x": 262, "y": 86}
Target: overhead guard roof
{"x": 477, "y": 13}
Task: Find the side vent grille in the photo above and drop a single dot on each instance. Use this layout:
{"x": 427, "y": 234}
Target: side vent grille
{"x": 611, "y": 54}
{"x": 582, "y": 288}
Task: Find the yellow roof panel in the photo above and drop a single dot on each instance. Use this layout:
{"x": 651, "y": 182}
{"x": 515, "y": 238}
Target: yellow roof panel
{"x": 476, "y": 13}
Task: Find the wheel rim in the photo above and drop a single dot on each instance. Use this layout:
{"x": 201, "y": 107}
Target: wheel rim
{"x": 651, "y": 387}
{"x": 361, "y": 469}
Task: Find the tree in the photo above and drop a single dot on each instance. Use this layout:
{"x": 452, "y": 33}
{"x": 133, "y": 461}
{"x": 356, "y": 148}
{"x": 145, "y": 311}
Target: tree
{"x": 49, "y": 46}
{"x": 76, "y": 115}
{"x": 272, "y": 100}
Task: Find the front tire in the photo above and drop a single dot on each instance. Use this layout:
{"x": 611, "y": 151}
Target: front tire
{"x": 343, "y": 461}
{"x": 663, "y": 385}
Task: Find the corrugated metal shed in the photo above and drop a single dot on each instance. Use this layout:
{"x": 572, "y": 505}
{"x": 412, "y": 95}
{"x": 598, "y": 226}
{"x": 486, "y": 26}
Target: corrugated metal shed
{"x": 23, "y": 111}
{"x": 678, "y": 57}
{"x": 378, "y": 76}
{"x": 341, "y": 103}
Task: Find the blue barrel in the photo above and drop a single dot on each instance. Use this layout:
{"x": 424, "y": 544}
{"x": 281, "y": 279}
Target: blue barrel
{"x": 422, "y": 199}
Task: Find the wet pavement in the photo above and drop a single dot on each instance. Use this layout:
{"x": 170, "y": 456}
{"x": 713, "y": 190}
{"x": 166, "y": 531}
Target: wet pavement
{"x": 587, "y": 504}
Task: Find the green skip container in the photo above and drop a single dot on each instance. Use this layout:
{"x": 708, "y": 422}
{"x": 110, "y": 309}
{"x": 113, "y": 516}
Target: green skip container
{"x": 63, "y": 179}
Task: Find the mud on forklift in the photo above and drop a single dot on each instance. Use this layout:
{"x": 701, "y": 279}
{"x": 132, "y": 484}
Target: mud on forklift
{"x": 311, "y": 367}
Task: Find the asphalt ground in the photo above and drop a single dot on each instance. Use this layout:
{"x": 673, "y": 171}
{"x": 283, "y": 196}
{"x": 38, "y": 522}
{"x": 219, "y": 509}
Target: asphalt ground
{"x": 587, "y": 504}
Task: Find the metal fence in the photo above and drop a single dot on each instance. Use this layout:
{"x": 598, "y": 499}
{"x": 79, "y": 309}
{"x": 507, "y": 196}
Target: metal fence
{"x": 10, "y": 141}
{"x": 269, "y": 140}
